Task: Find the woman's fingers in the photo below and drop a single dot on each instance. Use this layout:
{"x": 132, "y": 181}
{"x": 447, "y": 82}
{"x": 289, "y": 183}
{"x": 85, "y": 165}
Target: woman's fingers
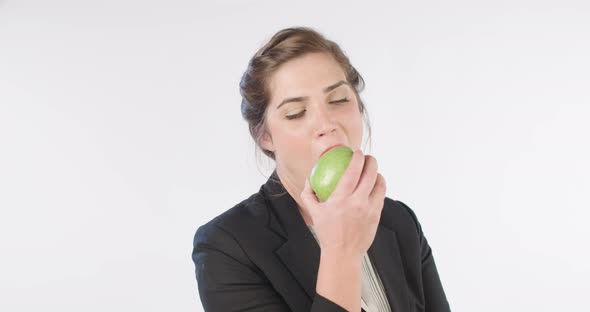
{"x": 368, "y": 177}
{"x": 349, "y": 218}
{"x": 308, "y": 196}
{"x": 350, "y": 178}
{"x": 377, "y": 195}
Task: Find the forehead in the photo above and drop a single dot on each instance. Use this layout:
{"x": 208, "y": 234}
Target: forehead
{"x": 304, "y": 76}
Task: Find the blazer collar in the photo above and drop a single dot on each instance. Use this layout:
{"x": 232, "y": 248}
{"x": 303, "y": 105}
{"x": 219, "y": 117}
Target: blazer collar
{"x": 301, "y": 253}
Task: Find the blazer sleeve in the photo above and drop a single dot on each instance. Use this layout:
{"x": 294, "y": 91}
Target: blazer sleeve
{"x": 435, "y": 299}
{"x": 229, "y": 281}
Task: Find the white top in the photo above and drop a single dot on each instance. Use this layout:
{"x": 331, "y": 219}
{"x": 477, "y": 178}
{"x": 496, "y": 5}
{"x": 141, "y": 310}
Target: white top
{"x": 373, "y": 297}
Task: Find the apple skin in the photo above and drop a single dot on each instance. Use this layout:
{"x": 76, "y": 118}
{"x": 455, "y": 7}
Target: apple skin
{"x": 328, "y": 170}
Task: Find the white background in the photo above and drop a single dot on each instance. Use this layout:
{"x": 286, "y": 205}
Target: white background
{"x": 121, "y": 133}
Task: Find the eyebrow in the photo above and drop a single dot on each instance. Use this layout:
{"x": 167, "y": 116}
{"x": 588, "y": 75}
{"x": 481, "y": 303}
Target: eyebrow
{"x": 302, "y": 98}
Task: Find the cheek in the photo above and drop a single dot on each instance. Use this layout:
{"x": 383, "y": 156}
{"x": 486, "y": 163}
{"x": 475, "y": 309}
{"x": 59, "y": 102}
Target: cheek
{"x": 295, "y": 150}
{"x": 295, "y": 140}
{"x": 355, "y": 125}
{"x": 287, "y": 135}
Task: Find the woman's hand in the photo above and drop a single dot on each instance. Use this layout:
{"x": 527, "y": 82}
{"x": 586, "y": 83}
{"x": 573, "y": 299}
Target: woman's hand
{"x": 347, "y": 221}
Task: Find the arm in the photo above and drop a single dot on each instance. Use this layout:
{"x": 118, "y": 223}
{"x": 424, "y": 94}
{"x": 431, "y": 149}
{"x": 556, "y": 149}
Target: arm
{"x": 228, "y": 281}
{"x": 339, "y": 278}
{"x": 435, "y": 299}
{"x": 434, "y": 294}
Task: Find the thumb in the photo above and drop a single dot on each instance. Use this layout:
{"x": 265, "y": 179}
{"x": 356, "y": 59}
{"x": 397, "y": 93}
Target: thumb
{"x": 308, "y": 196}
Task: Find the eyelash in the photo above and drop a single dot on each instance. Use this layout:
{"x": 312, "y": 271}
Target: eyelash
{"x": 295, "y": 116}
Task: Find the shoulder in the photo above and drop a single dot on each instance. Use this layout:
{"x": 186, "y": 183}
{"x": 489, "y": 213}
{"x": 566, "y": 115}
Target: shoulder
{"x": 399, "y": 217}
{"x": 223, "y": 237}
{"x": 252, "y": 211}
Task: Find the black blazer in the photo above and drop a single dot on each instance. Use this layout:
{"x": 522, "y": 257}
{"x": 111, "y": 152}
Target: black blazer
{"x": 261, "y": 256}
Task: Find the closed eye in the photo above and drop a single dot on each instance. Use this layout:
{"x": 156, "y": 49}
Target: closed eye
{"x": 295, "y": 116}
{"x": 340, "y": 101}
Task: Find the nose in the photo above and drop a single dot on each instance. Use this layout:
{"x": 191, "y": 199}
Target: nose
{"x": 324, "y": 121}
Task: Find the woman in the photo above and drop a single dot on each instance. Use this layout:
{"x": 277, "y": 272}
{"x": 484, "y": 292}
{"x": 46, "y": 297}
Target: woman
{"x": 282, "y": 249}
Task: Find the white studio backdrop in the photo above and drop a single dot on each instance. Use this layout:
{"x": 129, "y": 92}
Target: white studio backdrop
{"x": 121, "y": 133}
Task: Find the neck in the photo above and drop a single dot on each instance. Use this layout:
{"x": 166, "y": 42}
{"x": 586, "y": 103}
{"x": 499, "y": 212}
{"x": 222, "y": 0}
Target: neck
{"x": 294, "y": 189}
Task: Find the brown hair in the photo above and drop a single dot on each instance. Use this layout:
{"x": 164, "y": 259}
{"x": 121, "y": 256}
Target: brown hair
{"x": 284, "y": 46}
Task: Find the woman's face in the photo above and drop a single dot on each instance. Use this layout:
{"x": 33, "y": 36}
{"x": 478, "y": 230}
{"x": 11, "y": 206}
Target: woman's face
{"x": 312, "y": 107}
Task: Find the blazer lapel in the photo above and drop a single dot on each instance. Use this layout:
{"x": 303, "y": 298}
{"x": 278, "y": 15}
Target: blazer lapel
{"x": 301, "y": 253}
{"x": 302, "y": 257}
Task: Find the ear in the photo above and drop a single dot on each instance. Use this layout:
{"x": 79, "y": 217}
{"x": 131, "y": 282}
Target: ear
{"x": 266, "y": 142}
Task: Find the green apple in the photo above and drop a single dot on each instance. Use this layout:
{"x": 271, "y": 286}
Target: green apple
{"x": 328, "y": 170}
